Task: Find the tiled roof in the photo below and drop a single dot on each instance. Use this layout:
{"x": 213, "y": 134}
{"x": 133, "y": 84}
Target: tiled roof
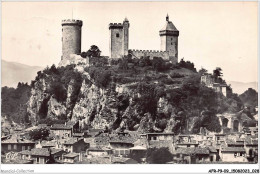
{"x": 192, "y": 150}
{"x": 98, "y": 148}
{"x": 95, "y": 160}
{"x": 212, "y": 149}
{"x": 48, "y": 143}
{"x": 159, "y": 144}
{"x": 54, "y": 151}
{"x": 169, "y": 27}
{"x": 61, "y": 127}
{"x": 16, "y": 140}
{"x": 233, "y": 149}
{"x": 36, "y": 152}
{"x": 71, "y": 141}
{"x": 71, "y": 155}
{"x": 78, "y": 134}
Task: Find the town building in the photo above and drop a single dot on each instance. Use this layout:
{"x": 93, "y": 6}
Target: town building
{"x": 233, "y": 154}
{"x": 76, "y": 145}
{"x": 16, "y": 144}
{"x": 37, "y": 155}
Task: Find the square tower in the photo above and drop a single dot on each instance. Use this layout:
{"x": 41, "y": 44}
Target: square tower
{"x": 119, "y": 39}
{"x": 169, "y": 40}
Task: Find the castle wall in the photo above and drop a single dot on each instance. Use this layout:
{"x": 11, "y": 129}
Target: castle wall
{"x": 150, "y": 53}
{"x": 71, "y": 38}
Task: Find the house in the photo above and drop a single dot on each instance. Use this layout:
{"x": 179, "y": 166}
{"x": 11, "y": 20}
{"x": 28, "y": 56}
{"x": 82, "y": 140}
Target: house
{"x": 16, "y": 144}
{"x": 191, "y": 155}
{"x": 187, "y": 144}
{"x": 158, "y": 136}
{"x": 57, "y": 155}
{"x": 46, "y": 144}
{"x": 37, "y": 155}
{"x": 120, "y": 147}
{"x": 61, "y": 130}
{"x": 233, "y": 154}
{"x": 74, "y": 125}
{"x": 71, "y": 158}
{"x": 76, "y": 145}
{"x": 98, "y": 151}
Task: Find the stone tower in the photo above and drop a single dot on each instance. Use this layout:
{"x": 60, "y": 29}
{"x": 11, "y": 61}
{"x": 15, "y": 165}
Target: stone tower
{"x": 71, "y": 37}
{"x": 169, "y": 40}
{"x": 119, "y": 39}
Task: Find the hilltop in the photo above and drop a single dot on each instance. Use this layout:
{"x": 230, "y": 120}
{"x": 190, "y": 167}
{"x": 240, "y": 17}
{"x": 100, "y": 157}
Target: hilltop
{"x": 134, "y": 94}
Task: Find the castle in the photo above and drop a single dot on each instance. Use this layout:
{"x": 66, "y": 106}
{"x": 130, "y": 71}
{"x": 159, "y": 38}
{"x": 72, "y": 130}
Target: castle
{"x": 119, "y": 41}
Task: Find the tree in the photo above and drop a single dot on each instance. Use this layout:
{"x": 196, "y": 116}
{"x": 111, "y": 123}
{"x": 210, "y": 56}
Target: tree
{"x": 92, "y": 52}
{"x": 159, "y": 156}
{"x": 39, "y": 134}
{"x": 217, "y": 72}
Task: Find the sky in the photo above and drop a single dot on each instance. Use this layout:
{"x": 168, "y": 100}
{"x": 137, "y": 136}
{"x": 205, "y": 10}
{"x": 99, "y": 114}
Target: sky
{"x": 212, "y": 34}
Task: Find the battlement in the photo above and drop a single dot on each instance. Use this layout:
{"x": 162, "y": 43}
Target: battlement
{"x": 71, "y": 22}
{"x": 115, "y": 25}
{"x": 147, "y": 51}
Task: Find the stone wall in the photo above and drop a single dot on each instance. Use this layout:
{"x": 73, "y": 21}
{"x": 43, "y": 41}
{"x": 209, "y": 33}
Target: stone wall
{"x": 150, "y": 53}
{"x": 153, "y": 53}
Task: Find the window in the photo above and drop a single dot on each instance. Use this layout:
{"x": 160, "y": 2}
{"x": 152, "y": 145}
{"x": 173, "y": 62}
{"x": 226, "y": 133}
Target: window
{"x": 37, "y": 160}
{"x": 29, "y": 147}
{"x": 171, "y": 38}
{"x": 200, "y": 158}
{"x": 15, "y": 147}
{"x": 171, "y": 43}
{"x": 117, "y": 34}
{"x": 211, "y": 158}
{"x": 241, "y": 153}
{"x": 9, "y": 147}
{"x": 188, "y": 145}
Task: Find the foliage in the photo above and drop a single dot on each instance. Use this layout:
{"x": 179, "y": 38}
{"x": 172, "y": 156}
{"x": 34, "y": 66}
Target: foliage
{"x": 14, "y": 101}
{"x": 158, "y": 156}
{"x": 187, "y": 65}
{"x": 249, "y": 98}
{"x": 92, "y": 52}
{"x": 176, "y": 75}
{"x": 39, "y": 134}
{"x": 50, "y": 121}
{"x": 100, "y": 75}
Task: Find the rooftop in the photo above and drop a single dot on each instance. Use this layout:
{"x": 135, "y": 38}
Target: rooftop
{"x": 233, "y": 149}
{"x": 61, "y": 127}
{"x": 71, "y": 155}
{"x": 71, "y": 141}
{"x": 17, "y": 140}
{"x": 169, "y": 25}
{"x": 36, "y": 152}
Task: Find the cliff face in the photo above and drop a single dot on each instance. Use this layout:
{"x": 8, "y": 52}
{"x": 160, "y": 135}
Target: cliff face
{"x": 140, "y": 98}
{"x": 97, "y": 107}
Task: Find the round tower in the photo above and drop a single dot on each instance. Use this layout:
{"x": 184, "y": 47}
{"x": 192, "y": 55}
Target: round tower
{"x": 71, "y": 37}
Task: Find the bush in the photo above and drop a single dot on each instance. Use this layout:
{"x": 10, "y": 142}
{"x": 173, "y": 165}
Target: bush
{"x": 176, "y": 75}
{"x": 39, "y": 134}
{"x": 187, "y": 64}
{"x": 159, "y": 156}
